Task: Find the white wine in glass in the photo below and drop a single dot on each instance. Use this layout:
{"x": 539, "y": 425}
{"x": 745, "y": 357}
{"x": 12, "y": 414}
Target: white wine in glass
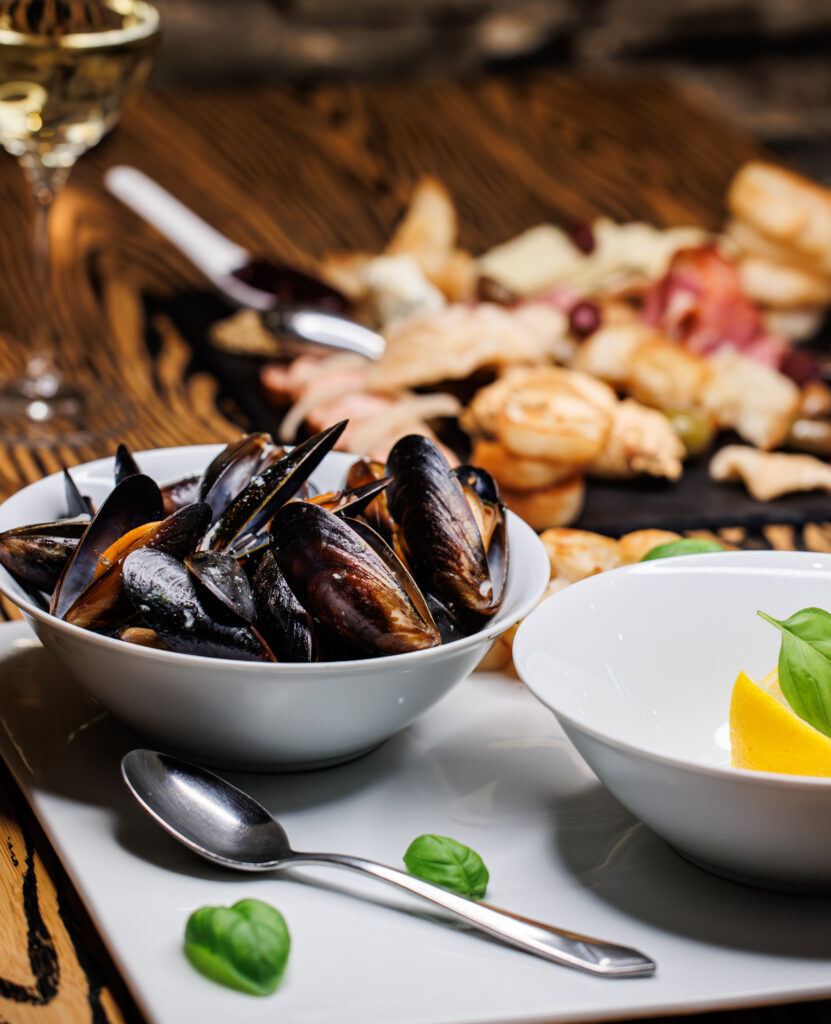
{"x": 66, "y": 68}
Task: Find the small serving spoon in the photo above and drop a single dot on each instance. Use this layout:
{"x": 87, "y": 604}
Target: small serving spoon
{"x": 227, "y": 826}
{"x": 297, "y": 309}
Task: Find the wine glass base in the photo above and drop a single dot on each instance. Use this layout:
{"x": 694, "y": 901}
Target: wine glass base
{"x": 67, "y": 416}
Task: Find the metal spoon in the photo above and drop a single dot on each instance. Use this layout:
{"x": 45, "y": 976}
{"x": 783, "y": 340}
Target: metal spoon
{"x": 241, "y": 278}
{"x": 226, "y": 826}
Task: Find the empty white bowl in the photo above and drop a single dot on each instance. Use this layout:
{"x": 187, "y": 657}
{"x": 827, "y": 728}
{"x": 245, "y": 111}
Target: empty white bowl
{"x": 254, "y": 715}
{"x": 638, "y": 665}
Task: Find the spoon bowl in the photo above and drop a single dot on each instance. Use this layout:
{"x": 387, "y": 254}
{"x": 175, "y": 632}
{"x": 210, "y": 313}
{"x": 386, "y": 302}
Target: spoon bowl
{"x": 206, "y": 813}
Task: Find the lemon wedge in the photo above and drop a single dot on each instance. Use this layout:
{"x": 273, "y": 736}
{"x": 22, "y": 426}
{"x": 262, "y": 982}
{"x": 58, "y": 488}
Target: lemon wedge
{"x": 766, "y": 734}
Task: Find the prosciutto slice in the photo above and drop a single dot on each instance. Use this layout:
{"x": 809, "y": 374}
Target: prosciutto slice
{"x": 699, "y": 302}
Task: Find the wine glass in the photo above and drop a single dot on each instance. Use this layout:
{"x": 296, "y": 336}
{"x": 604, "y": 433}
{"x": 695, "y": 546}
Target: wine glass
{"x": 66, "y": 68}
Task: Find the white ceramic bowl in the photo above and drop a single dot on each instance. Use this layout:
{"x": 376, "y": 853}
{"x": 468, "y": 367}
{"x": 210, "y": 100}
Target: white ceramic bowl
{"x": 253, "y": 715}
{"x": 638, "y": 665}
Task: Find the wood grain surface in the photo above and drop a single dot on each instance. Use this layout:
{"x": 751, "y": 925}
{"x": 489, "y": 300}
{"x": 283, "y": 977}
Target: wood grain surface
{"x": 293, "y": 173}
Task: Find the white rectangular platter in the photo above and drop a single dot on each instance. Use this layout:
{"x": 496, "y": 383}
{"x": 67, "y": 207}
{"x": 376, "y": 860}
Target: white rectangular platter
{"x": 488, "y": 766}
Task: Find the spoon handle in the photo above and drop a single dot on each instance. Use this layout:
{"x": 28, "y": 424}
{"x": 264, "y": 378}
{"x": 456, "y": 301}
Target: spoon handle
{"x": 543, "y": 940}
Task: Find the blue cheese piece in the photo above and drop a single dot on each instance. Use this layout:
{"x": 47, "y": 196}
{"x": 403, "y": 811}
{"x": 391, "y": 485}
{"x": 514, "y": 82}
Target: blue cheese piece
{"x": 399, "y": 290}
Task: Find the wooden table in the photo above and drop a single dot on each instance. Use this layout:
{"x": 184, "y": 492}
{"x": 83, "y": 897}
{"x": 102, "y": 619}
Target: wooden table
{"x": 294, "y": 173}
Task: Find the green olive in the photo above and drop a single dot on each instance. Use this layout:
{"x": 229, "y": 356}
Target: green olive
{"x": 695, "y": 429}
{"x": 812, "y": 436}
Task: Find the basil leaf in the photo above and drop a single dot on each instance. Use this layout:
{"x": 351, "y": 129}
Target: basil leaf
{"x": 684, "y": 546}
{"x": 245, "y": 946}
{"x": 450, "y": 864}
{"x": 805, "y": 664}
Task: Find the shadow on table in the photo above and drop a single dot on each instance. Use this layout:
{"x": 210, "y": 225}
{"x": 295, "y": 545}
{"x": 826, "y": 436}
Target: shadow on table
{"x": 634, "y": 870}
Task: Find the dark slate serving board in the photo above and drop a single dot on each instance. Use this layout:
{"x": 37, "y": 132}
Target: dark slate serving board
{"x": 694, "y": 502}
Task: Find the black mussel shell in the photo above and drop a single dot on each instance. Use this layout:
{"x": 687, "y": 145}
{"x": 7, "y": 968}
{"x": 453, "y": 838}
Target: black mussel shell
{"x": 165, "y": 594}
{"x": 377, "y": 512}
{"x": 125, "y": 464}
{"x": 268, "y": 490}
{"x": 353, "y": 502}
{"x": 479, "y": 481}
{"x": 222, "y": 575}
{"x": 395, "y": 565}
{"x": 356, "y": 501}
{"x": 77, "y": 504}
{"x": 134, "y": 502}
{"x": 441, "y": 540}
{"x": 283, "y": 621}
{"x": 37, "y": 555}
{"x": 104, "y": 603}
{"x": 182, "y": 492}
{"x": 451, "y": 625}
{"x": 342, "y": 581}
{"x": 480, "y": 487}
{"x": 232, "y": 469}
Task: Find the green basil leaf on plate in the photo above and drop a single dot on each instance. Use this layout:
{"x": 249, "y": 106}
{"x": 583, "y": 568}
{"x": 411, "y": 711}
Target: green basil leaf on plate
{"x": 450, "y": 864}
{"x": 684, "y": 546}
{"x": 245, "y": 946}
{"x": 805, "y": 664}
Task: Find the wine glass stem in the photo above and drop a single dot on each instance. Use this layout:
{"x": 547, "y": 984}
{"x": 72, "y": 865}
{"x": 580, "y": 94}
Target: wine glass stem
{"x": 42, "y": 376}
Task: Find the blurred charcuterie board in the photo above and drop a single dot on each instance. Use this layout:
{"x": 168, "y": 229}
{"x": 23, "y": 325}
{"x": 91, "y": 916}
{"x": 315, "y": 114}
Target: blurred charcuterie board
{"x": 693, "y": 502}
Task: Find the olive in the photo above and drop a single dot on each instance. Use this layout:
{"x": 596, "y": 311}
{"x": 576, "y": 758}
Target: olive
{"x": 812, "y": 436}
{"x": 584, "y": 318}
{"x": 695, "y": 429}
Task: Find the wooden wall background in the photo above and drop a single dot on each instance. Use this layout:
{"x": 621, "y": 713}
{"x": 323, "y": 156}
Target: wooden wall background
{"x": 763, "y": 63}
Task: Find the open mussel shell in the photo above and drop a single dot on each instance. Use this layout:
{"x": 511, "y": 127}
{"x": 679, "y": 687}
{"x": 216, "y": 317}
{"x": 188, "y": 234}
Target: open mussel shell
{"x": 165, "y": 594}
{"x": 377, "y": 512}
{"x": 283, "y": 621}
{"x": 485, "y": 501}
{"x": 222, "y": 575}
{"x": 451, "y": 625}
{"x": 354, "y": 502}
{"x": 341, "y": 580}
{"x": 181, "y": 492}
{"x": 395, "y": 566}
{"x": 77, "y": 504}
{"x": 231, "y": 470}
{"x": 358, "y": 500}
{"x": 125, "y": 464}
{"x": 267, "y": 490}
{"x": 440, "y": 537}
{"x": 132, "y": 503}
{"x": 37, "y": 555}
{"x": 104, "y": 603}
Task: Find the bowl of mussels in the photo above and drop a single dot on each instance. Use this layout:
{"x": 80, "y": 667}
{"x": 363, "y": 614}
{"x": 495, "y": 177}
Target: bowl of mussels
{"x": 268, "y": 608}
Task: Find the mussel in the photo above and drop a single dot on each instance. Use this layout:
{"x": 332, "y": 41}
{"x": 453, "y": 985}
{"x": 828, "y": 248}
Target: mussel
{"x": 283, "y": 621}
{"x": 167, "y": 597}
{"x": 267, "y": 490}
{"x": 232, "y": 469}
{"x": 77, "y": 504}
{"x": 125, "y": 464}
{"x": 445, "y": 530}
{"x": 37, "y": 555}
{"x": 377, "y": 513}
{"x": 131, "y": 504}
{"x": 104, "y": 604}
{"x": 254, "y": 568}
{"x": 222, "y": 575}
{"x": 343, "y": 582}
{"x": 179, "y": 493}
